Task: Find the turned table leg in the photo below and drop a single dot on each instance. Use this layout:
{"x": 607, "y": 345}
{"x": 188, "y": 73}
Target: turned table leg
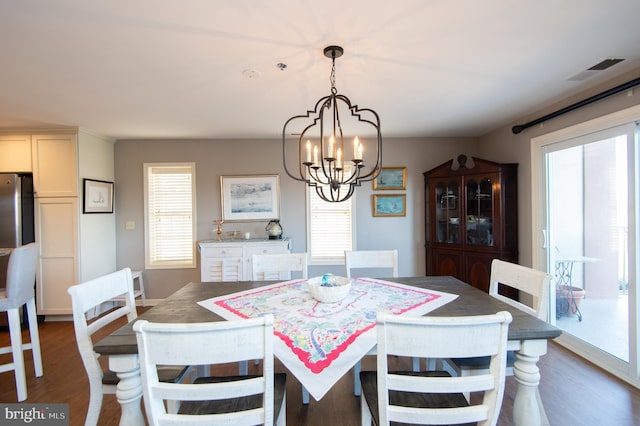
{"x": 129, "y": 390}
{"x": 527, "y": 406}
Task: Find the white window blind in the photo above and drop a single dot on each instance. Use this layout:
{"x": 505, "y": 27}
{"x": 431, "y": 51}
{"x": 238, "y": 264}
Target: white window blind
{"x": 169, "y": 215}
{"x": 330, "y": 230}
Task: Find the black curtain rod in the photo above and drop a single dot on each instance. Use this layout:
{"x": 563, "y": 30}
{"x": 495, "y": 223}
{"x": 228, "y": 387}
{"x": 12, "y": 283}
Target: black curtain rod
{"x": 626, "y": 86}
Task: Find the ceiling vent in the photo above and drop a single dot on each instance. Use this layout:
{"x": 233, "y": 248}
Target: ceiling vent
{"x": 607, "y": 63}
{"x": 600, "y": 66}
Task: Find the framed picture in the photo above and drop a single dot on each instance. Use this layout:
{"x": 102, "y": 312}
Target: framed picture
{"x": 389, "y": 205}
{"x": 98, "y": 196}
{"x": 391, "y": 178}
{"x": 250, "y": 197}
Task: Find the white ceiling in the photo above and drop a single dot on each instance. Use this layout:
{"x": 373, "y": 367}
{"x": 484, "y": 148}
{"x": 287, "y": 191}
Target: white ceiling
{"x": 178, "y": 69}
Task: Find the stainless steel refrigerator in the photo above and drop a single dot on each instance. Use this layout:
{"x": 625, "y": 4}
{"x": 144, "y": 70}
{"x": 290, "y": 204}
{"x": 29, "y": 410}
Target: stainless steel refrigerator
{"x": 16, "y": 216}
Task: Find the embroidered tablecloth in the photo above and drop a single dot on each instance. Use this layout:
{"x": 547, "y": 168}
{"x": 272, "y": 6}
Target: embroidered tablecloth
{"x": 320, "y": 342}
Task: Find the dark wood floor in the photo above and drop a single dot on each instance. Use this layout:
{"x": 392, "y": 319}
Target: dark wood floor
{"x": 574, "y": 391}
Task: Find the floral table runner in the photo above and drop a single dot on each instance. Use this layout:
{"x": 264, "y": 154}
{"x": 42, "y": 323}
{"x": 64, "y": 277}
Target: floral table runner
{"x": 320, "y": 342}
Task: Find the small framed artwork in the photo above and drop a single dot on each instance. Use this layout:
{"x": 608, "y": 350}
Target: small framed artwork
{"x": 98, "y": 196}
{"x": 391, "y": 178}
{"x": 246, "y": 198}
{"x": 389, "y": 205}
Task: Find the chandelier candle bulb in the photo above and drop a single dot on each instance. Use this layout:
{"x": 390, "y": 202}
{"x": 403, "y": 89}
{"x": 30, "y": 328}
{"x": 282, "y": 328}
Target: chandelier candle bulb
{"x": 330, "y": 149}
{"x": 308, "y": 151}
{"x": 339, "y": 160}
{"x": 315, "y": 155}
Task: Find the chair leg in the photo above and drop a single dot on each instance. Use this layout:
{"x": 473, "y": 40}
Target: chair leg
{"x": 282, "y": 418}
{"x": 16, "y": 350}
{"x": 173, "y": 406}
{"x": 431, "y": 364}
{"x": 35, "y": 337}
{"x": 95, "y": 405}
{"x": 416, "y": 364}
{"x": 365, "y": 415}
{"x": 357, "y": 387}
{"x": 143, "y": 295}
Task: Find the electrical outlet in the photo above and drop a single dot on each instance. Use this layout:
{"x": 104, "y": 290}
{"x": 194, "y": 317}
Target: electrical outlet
{"x": 129, "y": 225}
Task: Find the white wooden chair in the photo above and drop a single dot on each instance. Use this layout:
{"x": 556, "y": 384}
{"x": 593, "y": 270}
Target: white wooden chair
{"x": 266, "y": 267}
{"x": 237, "y": 400}
{"x": 436, "y": 397}
{"x": 531, "y": 284}
{"x": 85, "y": 298}
{"x": 370, "y": 259}
{"x": 19, "y": 291}
{"x": 278, "y": 267}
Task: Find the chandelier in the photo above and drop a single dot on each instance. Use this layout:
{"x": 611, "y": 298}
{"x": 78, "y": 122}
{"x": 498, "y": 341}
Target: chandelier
{"x": 328, "y": 164}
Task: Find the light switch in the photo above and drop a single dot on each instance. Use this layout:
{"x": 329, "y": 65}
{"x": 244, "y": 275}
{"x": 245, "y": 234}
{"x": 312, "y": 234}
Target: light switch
{"x": 129, "y": 225}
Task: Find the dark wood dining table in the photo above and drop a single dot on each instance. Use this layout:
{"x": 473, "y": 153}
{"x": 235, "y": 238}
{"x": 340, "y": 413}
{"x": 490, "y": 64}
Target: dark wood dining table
{"x": 528, "y": 336}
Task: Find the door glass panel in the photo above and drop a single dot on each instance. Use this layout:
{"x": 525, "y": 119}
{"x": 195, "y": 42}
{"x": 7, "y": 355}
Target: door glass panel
{"x": 587, "y": 199}
{"x": 448, "y": 212}
{"x": 479, "y": 217}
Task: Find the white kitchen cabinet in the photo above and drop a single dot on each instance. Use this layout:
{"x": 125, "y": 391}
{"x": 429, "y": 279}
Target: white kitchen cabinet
{"x": 56, "y": 229}
{"x": 15, "y": 153}
{"x": 55, "y": 165}
{"x": 231, "y": 260}
{"x": 59, "y": 159}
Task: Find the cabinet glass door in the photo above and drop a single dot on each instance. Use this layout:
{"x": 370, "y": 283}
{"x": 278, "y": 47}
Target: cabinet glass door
{"x": 480, "y": 212}
{"x": 447, "y": 212}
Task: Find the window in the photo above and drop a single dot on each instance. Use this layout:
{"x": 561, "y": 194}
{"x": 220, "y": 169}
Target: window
{"x": 169, "y": 195}
{"x": 330, "y": 229}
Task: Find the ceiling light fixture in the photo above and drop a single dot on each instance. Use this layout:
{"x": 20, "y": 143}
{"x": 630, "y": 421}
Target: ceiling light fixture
{"x": 321, "y": 147}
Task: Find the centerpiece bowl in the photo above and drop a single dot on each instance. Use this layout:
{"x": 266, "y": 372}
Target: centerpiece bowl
{"x": 335, "y": 292}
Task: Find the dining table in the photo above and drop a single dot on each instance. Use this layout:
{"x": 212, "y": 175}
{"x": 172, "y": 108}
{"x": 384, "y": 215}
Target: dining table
{"x": 528, "y": 335}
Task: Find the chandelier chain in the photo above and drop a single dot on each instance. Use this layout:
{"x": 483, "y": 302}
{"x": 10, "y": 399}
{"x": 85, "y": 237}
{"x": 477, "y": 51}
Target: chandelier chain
{"x": 332, "y": 77}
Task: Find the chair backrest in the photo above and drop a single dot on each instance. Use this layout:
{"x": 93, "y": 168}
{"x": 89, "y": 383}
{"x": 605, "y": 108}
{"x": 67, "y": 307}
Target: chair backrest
{"x": 443, "y": 337}
{"x": 278, "y": 266}
{"x": 89, "y": 295}
{"x": 371, "y": 259}
{"x": 21, "y": 275}
{"x": 208, "y": 344}
{"x": 527, "y": 280}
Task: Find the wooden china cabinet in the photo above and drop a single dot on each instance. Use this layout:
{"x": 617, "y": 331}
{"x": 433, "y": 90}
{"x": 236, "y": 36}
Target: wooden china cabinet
{"x": 471, "y": 218}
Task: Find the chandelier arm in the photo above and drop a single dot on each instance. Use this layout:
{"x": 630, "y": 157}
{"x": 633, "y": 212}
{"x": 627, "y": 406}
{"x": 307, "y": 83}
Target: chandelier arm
{"x": 284, "y": 160}
{"x": 317, "y": 178}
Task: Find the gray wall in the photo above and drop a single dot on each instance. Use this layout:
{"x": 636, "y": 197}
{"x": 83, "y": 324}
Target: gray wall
{"x": 214, "y": 158}
{"x": 503, "y": 146}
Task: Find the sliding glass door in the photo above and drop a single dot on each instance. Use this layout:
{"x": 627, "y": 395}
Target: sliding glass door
{"x": 587, "y": 217}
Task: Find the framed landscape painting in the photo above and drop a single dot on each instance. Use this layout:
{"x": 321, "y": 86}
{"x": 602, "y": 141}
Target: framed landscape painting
{"x": 391, "y": 178}
{"x": 389, "y": 205}
{"x": 246, "y": 198}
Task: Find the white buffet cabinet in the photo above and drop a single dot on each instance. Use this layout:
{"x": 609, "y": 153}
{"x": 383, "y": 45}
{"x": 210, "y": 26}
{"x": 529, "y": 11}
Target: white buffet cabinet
{"x": 230, "y": 260}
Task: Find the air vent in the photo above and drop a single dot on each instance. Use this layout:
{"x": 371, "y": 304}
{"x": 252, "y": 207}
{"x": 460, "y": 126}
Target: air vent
{"x": 607, "y": 63}
{"x": 600, "y": 66}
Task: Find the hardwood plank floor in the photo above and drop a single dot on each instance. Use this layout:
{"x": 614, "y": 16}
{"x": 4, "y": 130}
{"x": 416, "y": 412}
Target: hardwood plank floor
{"x": 574, "y": 391}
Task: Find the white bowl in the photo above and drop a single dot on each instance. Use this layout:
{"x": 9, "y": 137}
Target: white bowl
{"x": 325, "y": 294}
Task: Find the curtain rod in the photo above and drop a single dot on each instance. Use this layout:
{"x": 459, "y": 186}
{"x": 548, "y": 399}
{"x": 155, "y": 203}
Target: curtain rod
{"x": 621, "y": 88}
